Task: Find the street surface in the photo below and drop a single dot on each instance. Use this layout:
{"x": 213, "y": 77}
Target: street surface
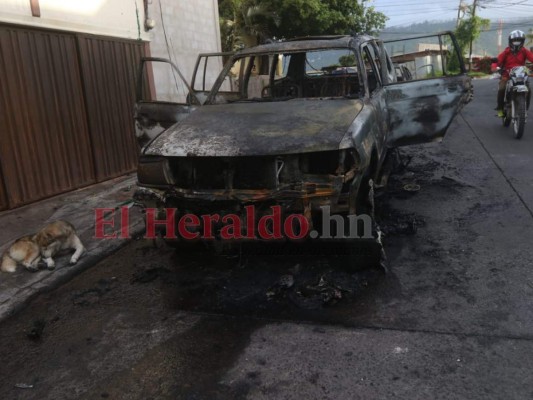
{"x": 453, "y": 319}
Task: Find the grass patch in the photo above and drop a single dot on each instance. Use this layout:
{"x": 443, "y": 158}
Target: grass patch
{"x": 475, "y": 74}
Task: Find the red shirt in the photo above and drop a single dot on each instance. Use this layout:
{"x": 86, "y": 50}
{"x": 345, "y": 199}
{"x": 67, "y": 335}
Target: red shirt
{"x": 507, "y": 59}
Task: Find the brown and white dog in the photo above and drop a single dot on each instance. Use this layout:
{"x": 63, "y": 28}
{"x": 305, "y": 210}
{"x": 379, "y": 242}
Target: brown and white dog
{"x": 28, "y": 250}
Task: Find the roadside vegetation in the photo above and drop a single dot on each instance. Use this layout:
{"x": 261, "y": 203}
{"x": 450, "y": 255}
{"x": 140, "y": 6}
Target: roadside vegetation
{"x": 475, "y": 74}
{"x": 245, "y": 23}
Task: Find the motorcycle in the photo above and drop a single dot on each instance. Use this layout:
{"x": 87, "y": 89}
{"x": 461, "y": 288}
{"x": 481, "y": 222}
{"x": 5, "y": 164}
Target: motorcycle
{"x": 516, "y": 101}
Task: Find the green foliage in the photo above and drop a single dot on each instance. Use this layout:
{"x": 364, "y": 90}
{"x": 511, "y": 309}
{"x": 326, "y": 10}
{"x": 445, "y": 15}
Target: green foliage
{"x": 477, "y": 74}
{"x": 453, "y": 66}
{"x": 529, "y": 36}
{"x": 469, "y": 29}
{"x": 484, "y": 65}
{"x": 244, "y": 23}
{"x": 251, "y": 21}
{"x": 347, "y": 61}
{"x": 434, "y": 74}
{"x": 324, "y": 17}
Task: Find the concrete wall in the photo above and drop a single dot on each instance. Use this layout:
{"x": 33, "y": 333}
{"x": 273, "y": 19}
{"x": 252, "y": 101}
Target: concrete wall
{"x": 116, "y": 18}
{"x": 191, "y": 28}
{"x": 428, "y": 65}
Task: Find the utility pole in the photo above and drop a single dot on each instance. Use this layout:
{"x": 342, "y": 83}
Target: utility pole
{"x": 471, "y": 38}
{"x": 459, "y": 13}
{"x": 500, "y": 31}
{"x": 462, "y": 8}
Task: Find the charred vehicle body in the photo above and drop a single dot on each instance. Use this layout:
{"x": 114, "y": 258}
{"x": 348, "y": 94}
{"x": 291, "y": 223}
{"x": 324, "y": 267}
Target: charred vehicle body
{"x": 302, "y": 124}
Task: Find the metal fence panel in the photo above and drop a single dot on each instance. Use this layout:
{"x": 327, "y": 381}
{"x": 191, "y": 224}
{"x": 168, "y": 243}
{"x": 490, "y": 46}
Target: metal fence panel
{"x": 109, "y": 70}
{"x": 45, "y": 148}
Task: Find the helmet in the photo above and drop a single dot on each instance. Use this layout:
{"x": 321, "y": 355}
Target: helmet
{"x": 516, "y": 40}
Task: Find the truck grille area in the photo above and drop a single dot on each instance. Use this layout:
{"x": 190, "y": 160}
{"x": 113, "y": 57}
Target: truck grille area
{"x": 224, "y": 173}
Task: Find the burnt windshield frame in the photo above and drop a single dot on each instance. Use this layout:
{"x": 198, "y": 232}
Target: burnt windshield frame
{"x": 439, "y": 35}
{"x": 273, "y": 59}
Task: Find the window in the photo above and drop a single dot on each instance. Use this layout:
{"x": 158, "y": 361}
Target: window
{"x": 330, "y": 62}
{"x": 425, "y": 57}
{"x": 207, "y": 71}
{"x": 322, "y": 73}
{"x": 372, "y": 67}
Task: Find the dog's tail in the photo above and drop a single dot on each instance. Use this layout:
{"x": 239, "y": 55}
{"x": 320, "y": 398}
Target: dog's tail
{"x": 8, "y": 264}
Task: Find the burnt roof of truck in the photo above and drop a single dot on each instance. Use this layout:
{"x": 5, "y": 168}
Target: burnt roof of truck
{"x": 306, "y": 43}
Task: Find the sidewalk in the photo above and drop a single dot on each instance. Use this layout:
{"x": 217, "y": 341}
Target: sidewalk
{"x": 17, "y": 289}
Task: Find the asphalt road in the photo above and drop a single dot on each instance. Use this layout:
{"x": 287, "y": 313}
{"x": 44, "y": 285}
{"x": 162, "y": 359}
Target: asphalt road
{"x": 453, "y": 319}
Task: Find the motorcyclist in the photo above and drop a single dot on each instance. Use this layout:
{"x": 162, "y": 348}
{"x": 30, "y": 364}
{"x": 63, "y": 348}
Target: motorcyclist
{"x": 513, "y": 56}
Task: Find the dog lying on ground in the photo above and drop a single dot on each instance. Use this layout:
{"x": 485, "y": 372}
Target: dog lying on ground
{"x": 28, "y": 250}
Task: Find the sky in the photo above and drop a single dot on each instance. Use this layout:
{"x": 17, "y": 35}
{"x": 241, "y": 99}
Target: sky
{"x": 407, "y": 12}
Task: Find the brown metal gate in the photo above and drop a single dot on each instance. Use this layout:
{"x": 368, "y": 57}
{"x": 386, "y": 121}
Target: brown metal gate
{"x": 66, "y": 104}
{"x": 109, "y": 70}
{"x": 3, "y": 198}
{"x": 44, "y": 140}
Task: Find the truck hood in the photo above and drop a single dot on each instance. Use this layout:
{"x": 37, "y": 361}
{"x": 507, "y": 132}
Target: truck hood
{"x": 259, "y": 129}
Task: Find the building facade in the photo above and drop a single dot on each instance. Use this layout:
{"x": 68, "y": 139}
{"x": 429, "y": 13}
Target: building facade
{"x": 69, "y": 72}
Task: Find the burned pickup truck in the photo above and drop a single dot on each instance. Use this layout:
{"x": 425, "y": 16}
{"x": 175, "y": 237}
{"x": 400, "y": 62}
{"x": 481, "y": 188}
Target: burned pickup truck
{"x": 301, "y": 124}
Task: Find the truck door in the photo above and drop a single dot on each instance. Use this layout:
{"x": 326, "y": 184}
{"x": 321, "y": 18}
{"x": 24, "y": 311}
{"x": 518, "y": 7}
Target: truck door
{"x": 163, "y": 98}
{"x": 164, "y": 95}
{"x": 422, "y": 109}
{"x": 207, "y": 69}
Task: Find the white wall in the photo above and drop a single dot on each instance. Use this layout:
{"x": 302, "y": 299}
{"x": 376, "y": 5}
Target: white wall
{"x": 426, "y": 65}
{"x": 101, "y": 17}
{"x": 192, "y": 28}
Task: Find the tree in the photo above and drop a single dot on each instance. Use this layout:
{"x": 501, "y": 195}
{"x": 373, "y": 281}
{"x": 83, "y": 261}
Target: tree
{"x": 347, "y": 61}
{"x": 244, "y": 23}
{"x": 283, "y": 19}
{"x": 469, "y": 30}
{"x": 325, "y": 17}
{"x": 529, "y": 36}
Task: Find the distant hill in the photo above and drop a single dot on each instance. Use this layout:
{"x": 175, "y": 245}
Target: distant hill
{"x": 487, "y": 44}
